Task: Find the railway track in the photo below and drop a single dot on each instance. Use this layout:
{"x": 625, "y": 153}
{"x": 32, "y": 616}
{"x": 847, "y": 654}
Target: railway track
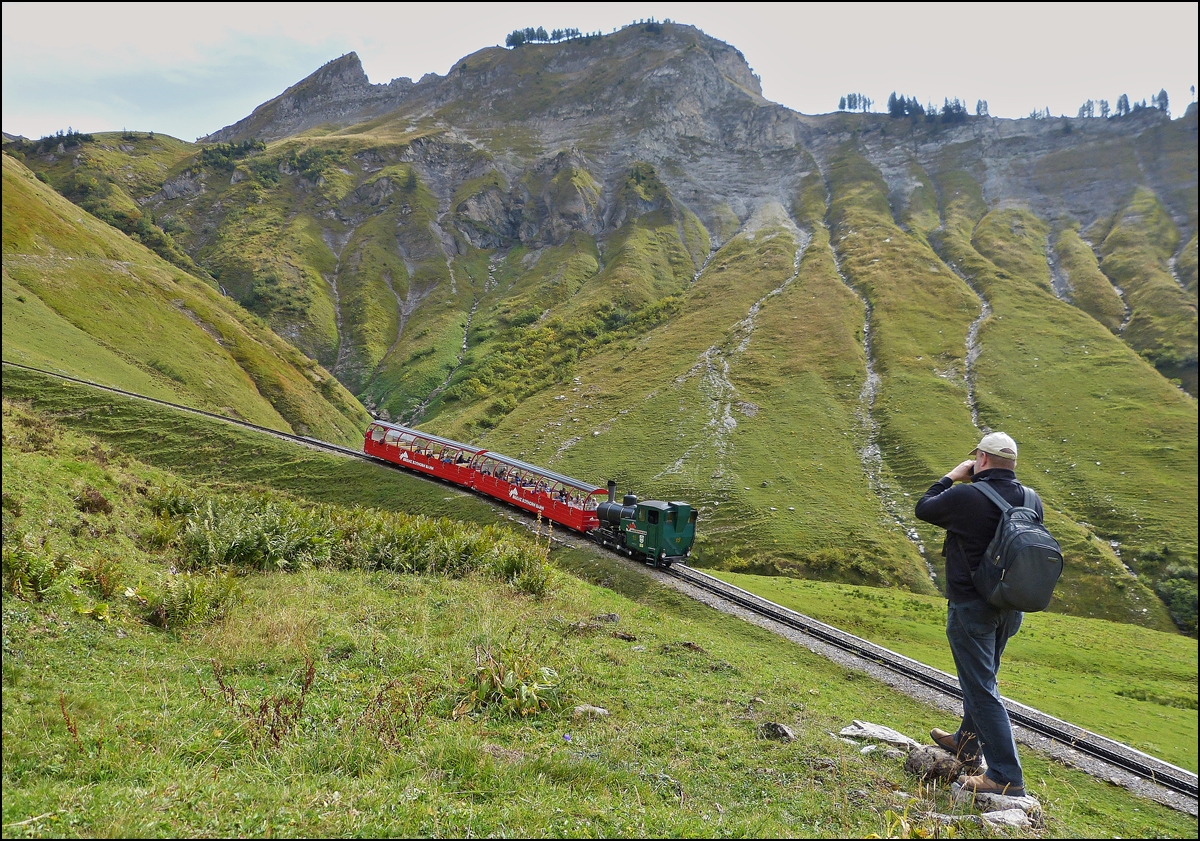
{"x": 1142, "y": 766}
{"x": 1113, "y": 753}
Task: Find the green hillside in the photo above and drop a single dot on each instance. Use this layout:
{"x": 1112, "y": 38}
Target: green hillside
{"x": 83, "y": 299}
{"x": 613, "y": 257}
{"x": 346, "y": 694}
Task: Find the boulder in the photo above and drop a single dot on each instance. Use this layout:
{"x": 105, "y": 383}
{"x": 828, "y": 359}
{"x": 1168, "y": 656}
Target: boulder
{"x": 992, "y": 803}
{"x": 775, "y": 730}
{"x": 930, "y": 762}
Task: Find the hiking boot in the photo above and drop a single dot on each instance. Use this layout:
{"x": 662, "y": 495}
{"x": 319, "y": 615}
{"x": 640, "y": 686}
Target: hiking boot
{"x": 944, "y": 739}
{"x": 983, "y": 784}
{"x": 970, "y": 761}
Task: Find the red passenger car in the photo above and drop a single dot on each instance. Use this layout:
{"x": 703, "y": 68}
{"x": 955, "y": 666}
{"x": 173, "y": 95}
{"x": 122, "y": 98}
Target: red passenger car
{"x": 559, "y": 498}
{"x": 564, "y": 500}
{"x": 420, "y": 451}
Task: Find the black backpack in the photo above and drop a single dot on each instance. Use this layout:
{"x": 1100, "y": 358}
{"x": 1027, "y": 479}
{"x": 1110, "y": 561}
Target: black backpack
{"x": 1023, "y": 562}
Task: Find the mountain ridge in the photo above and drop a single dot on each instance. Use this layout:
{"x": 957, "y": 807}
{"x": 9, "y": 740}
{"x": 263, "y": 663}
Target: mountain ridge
{"x": 577, "y": 250}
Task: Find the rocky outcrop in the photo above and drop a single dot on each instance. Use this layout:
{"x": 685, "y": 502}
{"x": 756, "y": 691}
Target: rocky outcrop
{"x": 338, "y": 93}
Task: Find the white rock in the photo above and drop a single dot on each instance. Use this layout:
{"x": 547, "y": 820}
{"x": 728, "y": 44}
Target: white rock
{"x": 867, "y": 730}
{"x": 1008, "y": 818}
{"x": 588, "y": 711}
{"x": 995, "y": 802}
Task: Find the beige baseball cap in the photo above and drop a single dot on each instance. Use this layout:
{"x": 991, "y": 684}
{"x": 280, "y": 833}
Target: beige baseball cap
{"x": 997, "y": 444}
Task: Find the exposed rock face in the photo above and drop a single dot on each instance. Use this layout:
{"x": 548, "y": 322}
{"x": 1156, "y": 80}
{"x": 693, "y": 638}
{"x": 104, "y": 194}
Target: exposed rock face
{"x": 339, "y": 93}
{"x": 682, "y": 97}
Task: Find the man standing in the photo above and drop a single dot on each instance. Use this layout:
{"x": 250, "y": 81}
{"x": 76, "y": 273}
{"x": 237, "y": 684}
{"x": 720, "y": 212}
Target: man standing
{"x": 977, "y": 631}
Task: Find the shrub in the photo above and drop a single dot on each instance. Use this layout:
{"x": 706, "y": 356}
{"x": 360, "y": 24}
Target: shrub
{"x": 186, "y": 598}
{"x": 170, "y": 501}
{"x": 1177, "y": 588}
{"x": 250, "y": 534}
{"x": 510, "y": 681}
{"x": 258, "y": 533}
{"x": 91, "y": 501}
{"x": 30, "y": 572}
{"x": 161, "y": 533}
{"x": 101, "y": 572}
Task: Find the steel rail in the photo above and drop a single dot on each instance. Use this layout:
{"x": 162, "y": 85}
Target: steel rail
{"x": 1122, "y": 756}
{"x": 302, "y": 439}
{"x": 1119, "y": 755}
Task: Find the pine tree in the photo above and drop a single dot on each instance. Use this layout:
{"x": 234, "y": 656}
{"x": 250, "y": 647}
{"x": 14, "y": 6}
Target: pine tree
{"x": 1161, "y": 101}
{"x": 842, "y": 104}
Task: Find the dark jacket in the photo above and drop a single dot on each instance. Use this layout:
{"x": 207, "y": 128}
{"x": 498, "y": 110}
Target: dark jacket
{"x": 970, "y": 520}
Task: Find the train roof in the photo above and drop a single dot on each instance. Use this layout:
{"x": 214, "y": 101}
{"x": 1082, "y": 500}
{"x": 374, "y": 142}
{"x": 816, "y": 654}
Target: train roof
{"x": 474, "y": 451}
{"x": 427, "y": 436}
{"x": 540, "y": 471}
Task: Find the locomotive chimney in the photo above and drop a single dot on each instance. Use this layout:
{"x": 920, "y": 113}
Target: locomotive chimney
{"x": 612, "y": 491}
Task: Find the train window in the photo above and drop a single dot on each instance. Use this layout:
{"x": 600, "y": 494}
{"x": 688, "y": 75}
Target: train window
{"x": 642, "y": 515}
{"x": 671, "y": 517}
{"x": 377, "y": 433}
{"x": 392, "y": 436}
{"x": 653, "y": 515}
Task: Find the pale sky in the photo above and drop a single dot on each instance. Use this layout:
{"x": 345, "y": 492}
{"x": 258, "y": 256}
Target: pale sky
{"x": 188, "y": 69}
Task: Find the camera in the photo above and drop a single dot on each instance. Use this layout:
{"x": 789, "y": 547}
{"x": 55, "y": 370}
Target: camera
{"x": 971, "y": 471}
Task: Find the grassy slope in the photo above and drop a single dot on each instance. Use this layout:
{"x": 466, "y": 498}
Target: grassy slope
{"x": 1186, "y": 267}
{"x": 1134, "y": 404}
{"x": 37, "y": 336}
{"x": 110, "y": 176}
{"x": 153, "y": 317}
{"x": 678, "y": 755}
{"x": 666, "y": 398}
{"x": 1162, "y": 324}
{"x": 551, "y": 306}
{"x": 920, "y": 315}
{"x": 1091, "y": 291}
{"x": 1030, "y": 382}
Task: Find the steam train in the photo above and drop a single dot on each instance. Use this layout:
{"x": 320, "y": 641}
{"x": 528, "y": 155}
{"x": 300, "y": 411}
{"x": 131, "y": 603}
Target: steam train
{"x": 658, "y": 533}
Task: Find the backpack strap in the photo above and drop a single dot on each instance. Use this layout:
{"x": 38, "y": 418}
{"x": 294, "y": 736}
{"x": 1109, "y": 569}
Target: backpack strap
{"x": 994, "y": 496}
{"x": 1029, "y": 501}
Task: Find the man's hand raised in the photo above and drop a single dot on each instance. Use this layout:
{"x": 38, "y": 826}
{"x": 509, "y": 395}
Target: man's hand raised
{"x": 962, "y": 472}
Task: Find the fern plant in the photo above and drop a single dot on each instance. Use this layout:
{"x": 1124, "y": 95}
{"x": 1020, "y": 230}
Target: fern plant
{"x": 187, "y": 598}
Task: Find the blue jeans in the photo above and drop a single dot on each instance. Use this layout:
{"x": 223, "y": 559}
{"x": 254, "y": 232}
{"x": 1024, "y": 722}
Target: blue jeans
{"x": 977, "y": 633}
